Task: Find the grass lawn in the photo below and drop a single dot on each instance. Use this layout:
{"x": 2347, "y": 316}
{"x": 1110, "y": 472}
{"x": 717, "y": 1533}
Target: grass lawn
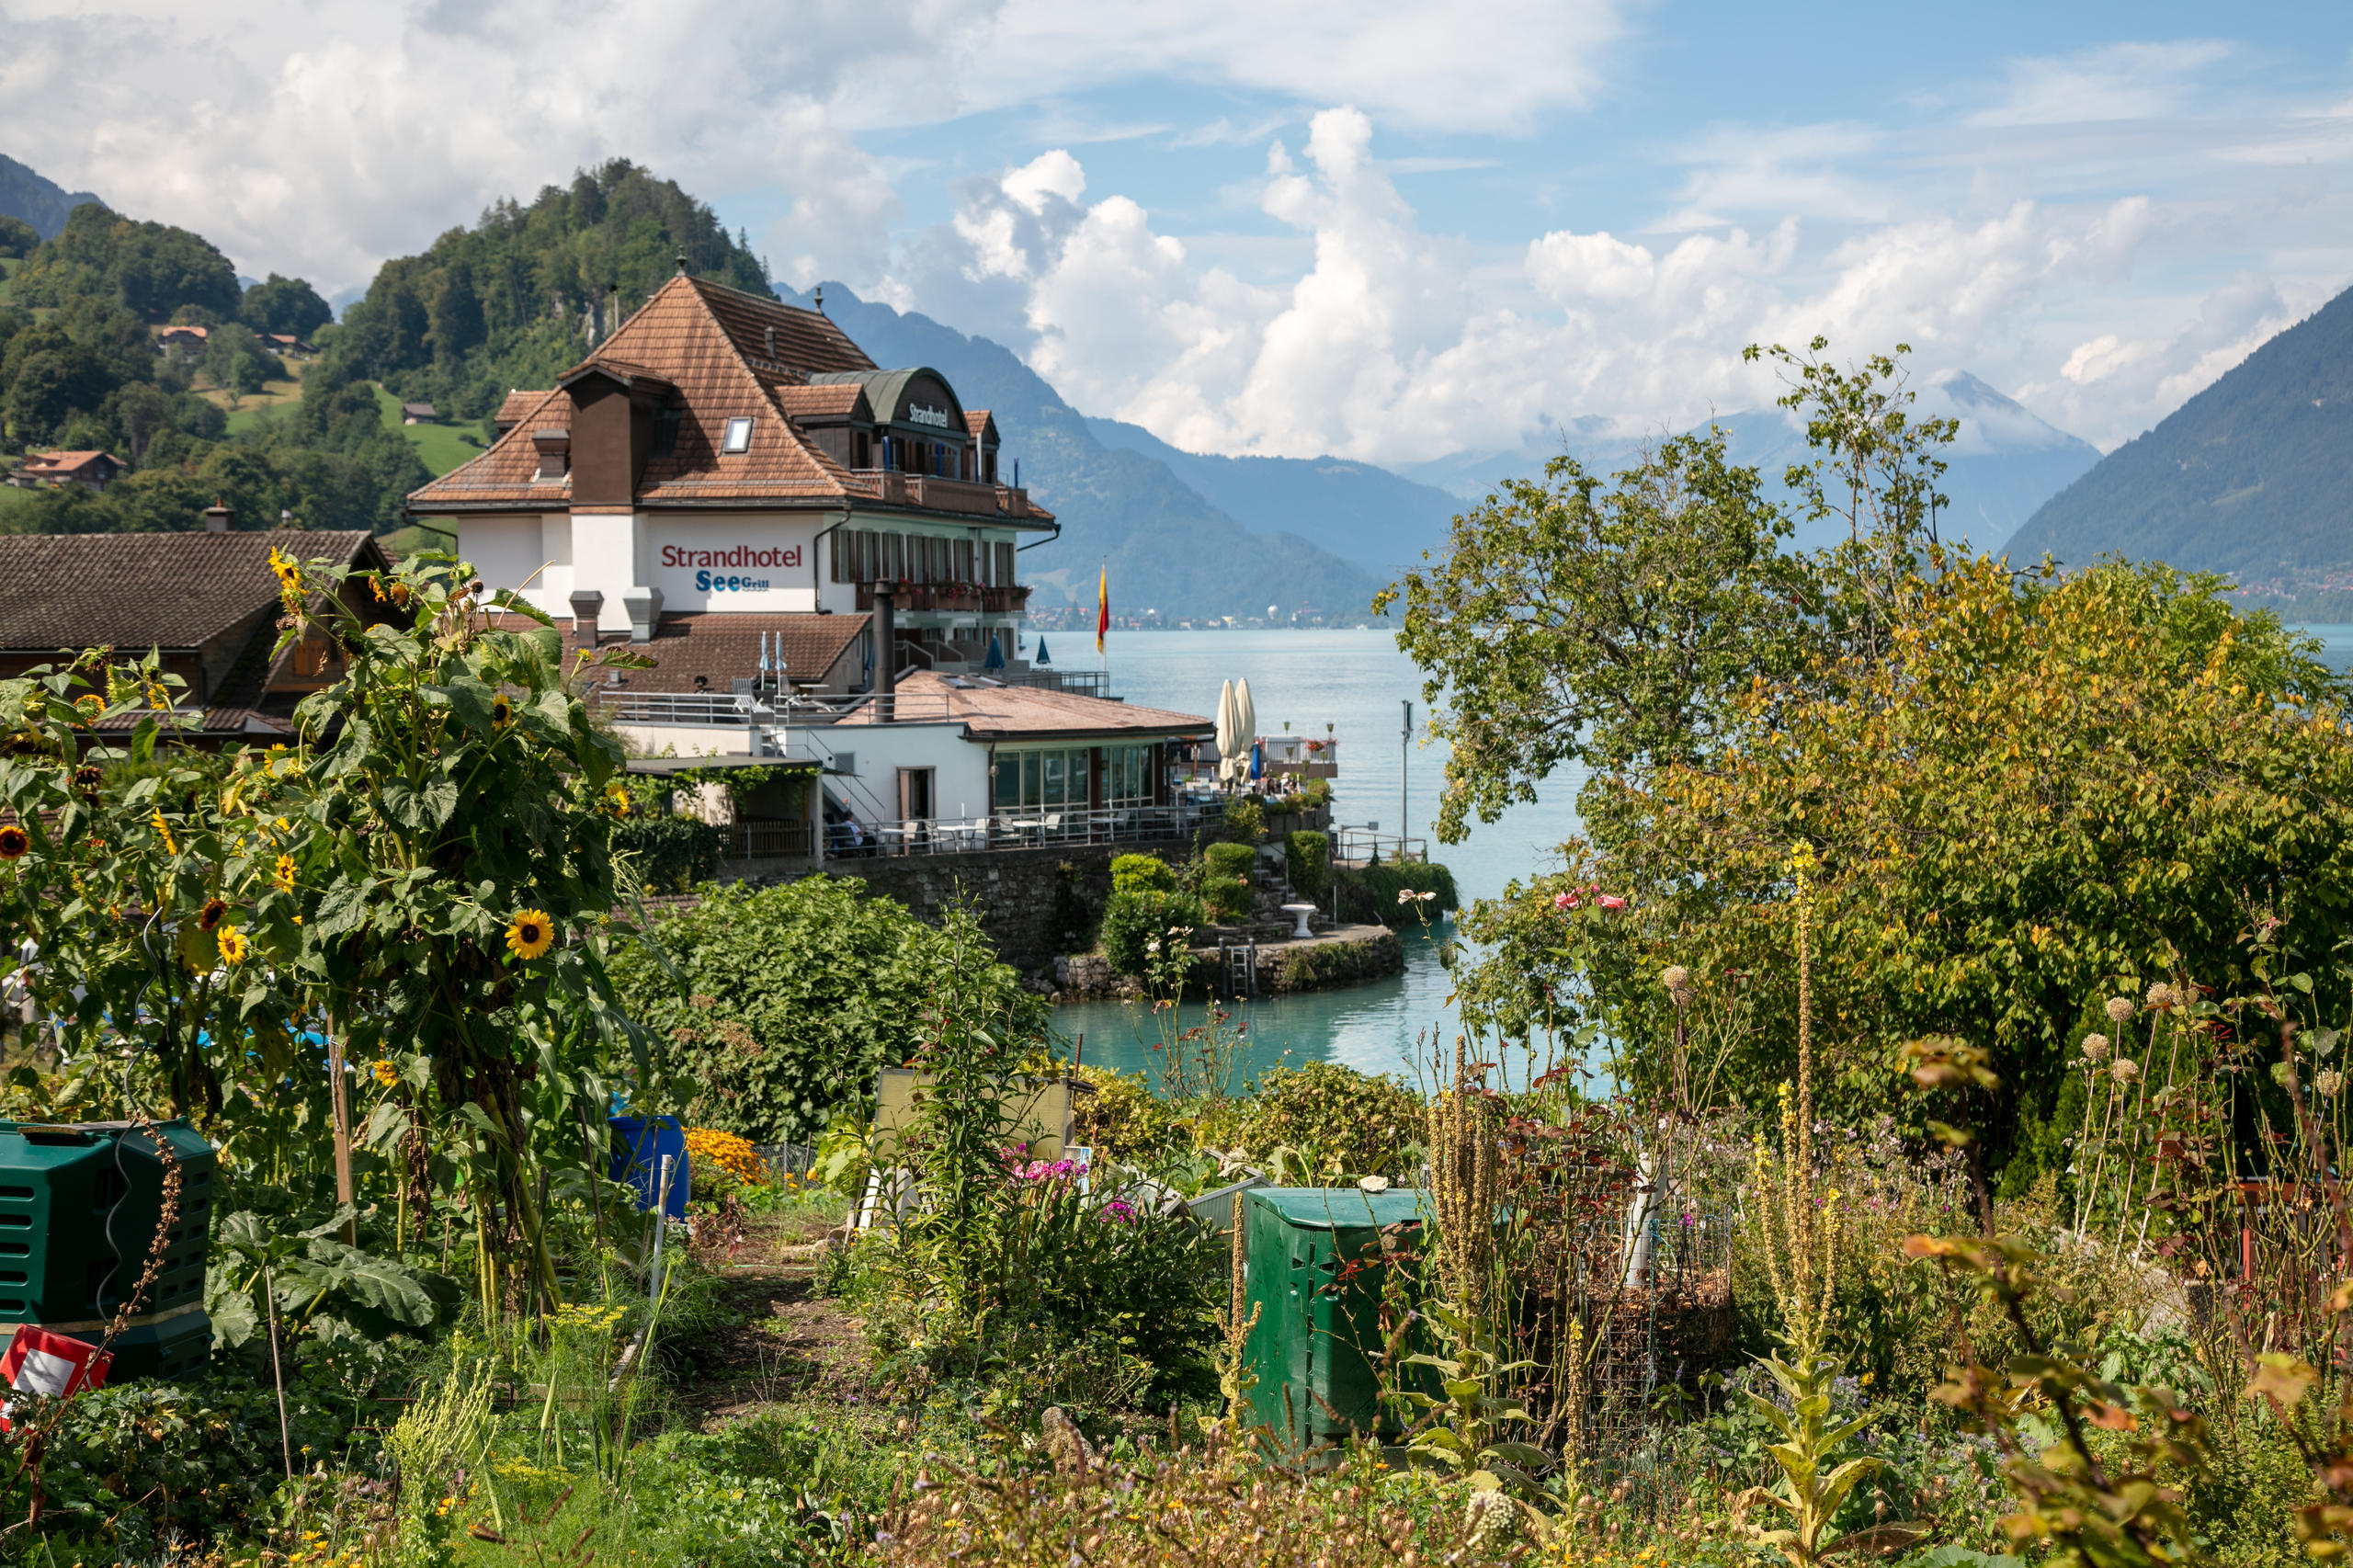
{"x": 443, "y": 446}
{"x": 15, "y": 504}
{"x": 413, "y": 537}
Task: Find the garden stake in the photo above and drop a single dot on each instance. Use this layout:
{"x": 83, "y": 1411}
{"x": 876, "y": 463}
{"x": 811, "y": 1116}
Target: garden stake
{"x": 343, "y": 1194}
{"x": 278, "y": 1373}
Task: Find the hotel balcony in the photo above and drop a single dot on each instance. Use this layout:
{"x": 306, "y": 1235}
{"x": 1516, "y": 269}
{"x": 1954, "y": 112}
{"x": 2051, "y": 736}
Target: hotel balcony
{"x": 932, "y": 492}
{"x": 971, "y": 598}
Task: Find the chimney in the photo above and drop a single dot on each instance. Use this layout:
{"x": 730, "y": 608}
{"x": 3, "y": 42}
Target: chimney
{"x": 585, "y": 604}
{"x": 644, "y": 607}
{"x": 771, "y": 341}
{"x": 220, "y": 517}
{"x": 554, "y": 447}
{"x": 820, "y": 299}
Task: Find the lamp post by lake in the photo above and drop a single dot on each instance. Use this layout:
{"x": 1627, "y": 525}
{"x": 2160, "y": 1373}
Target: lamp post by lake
{"x": 1405, "y": 749}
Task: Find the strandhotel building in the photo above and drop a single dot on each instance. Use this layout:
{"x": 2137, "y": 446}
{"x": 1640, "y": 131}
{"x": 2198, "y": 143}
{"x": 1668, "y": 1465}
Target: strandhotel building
{"x": 822, "y": 559}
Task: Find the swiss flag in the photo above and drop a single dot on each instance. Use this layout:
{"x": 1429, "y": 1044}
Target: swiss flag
{"x": 56, "y": 1364}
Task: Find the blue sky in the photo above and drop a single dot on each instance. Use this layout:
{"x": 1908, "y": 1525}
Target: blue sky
{"x": 1388, "y": 230}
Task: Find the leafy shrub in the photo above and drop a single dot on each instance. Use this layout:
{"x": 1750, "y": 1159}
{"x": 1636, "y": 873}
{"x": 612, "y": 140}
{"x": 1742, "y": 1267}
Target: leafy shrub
{"x": 1133, "y": 920}
{"x": 1245, "y": 822}
{"x": 1121, "y": 1119}
{"x": 137, "y": 1464}
{"x": 794, "y": 996}
{"x": 1226, "y": 899}
{"x": 1370, "y": 892}
{"x": 1320, "y": 1121}
{"x": 1143, "y": 873}
{"x": 1230, "y": 860}
{"x": 1307, "y": 856}
{"x": 671, "y": 854}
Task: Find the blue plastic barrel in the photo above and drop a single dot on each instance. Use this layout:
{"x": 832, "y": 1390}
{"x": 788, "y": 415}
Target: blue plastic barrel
{"x": 638, "y": 1144}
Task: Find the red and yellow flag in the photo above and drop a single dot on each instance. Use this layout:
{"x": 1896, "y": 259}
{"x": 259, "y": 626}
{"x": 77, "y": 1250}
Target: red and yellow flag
{"x": 1102, "y": 605}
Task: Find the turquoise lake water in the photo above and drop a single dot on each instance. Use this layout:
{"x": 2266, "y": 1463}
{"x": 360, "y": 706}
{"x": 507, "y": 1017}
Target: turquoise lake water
{"x": 1353, "y": 681}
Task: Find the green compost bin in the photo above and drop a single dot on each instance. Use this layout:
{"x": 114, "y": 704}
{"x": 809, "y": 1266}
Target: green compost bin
{"x": 78, "y": 1206}
{"x": 1315, "y": 1348}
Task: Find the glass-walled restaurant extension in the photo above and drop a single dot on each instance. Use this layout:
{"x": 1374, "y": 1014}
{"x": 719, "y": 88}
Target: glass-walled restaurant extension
{"x": 1034, "y": 779}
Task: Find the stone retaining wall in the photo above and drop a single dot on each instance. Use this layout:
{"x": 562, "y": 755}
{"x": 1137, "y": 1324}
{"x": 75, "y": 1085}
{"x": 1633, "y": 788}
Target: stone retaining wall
{"x": 1347, "y": 955}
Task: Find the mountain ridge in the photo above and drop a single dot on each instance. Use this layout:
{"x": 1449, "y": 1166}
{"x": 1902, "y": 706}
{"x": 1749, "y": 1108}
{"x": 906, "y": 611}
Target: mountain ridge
{"x": 28, "y": 194}
{"x": 2248, "y": 477}
{"x": 1126, "y": 507}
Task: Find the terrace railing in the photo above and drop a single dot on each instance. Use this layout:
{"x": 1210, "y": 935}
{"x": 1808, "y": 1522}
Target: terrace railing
{"x": 1357, "y": 844}
{"x": 1041, "y": 828}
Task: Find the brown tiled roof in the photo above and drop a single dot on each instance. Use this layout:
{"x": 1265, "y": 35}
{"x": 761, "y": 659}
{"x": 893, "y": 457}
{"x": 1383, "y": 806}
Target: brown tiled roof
{"x": 976, "y": 422}
{"x": 721, "y": 646}
{"x": 1013, "y": 712}
{"x": 671, "y": 340}
{"x": 806, "y": 341}
{"x": 519, "y": 403}
{"x": 841, "y": 400}
{"x": 175, "y": 590}
{"x": 58, "y": 465}
{"x": 709, "y": 344}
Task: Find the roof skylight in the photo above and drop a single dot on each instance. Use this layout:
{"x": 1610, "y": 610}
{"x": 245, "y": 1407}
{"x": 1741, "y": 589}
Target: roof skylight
{"x": 739, "y": 436}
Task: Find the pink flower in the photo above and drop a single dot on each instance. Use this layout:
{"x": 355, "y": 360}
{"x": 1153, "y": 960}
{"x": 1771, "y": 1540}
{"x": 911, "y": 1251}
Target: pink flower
{"x": 1119, "y": 1211}
{"x": 1061, "y": 1168}
{"x": 1033, "y": 1170}
{"x": 1564, "y": 900}
{"x": 1611, "y": 901}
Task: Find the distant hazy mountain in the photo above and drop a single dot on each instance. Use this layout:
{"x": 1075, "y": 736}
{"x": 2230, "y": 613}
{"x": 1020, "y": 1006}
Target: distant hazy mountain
{"x": 2005, "y": 463}
{"x": 1378, "y": 519}
{"x": 2253, "y": 476}
{"x": 41, "y": 202}
{"x": 1167, "y": 546}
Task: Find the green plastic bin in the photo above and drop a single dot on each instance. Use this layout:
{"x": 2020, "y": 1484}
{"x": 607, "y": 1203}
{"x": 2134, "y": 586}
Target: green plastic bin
{"x": 1316, "y": 1347}
{"x": 78, "y": 1206}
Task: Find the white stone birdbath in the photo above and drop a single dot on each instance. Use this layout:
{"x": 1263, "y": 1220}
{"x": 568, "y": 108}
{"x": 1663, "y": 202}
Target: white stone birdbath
{"x": 1299, "y": 912}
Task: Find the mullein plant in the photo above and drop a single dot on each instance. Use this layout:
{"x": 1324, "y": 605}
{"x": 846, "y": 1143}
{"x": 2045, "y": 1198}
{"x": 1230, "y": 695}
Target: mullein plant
{"x": 1797, "y": 1228}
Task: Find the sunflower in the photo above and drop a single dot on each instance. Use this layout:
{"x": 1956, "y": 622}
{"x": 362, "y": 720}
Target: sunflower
{"x": 234, "y": 945}
{"x": 501, "y": 710}
{"x": 163, "y": 831}
{"x": 617, "y": 798}
{"x": 90, "y": 709}
{"x": 530, "y": 934}
{"x": 385, "y": 1072}
{"x": 209, "y": 916}
{"x": 15, "y": 843}
{"x": 88, "y": 778}
{"x": 284, "y": 875}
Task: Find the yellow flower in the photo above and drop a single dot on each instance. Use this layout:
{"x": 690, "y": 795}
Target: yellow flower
{"x": 234, "y": 945}
{"x": 163, "y": 831}
{"x": 284, "y": 876}
{"x": 386, "y": 1073}
{"x": 502, "y": 710}
{"x": 15, "y": 843}
{"x": 530, "y": 934}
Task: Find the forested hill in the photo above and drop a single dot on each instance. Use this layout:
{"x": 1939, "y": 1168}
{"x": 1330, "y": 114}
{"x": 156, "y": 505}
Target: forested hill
{"x": 514, "y": 301}
{"x": 506, "y": 302}
{"x": 2253, "y": 476}
{"x": 80, "y": 370}
{"x": 1166, "y": 546}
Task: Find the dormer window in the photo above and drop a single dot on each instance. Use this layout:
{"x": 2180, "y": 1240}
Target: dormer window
{"x": 739, "y": 436}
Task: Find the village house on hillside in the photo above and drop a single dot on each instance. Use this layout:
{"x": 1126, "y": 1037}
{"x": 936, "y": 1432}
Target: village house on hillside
{"x": 419, "y": 413}
{"x": 183, "y": 342}
{"x": 821, "y": 556}
{"x": 50, "y": 470}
